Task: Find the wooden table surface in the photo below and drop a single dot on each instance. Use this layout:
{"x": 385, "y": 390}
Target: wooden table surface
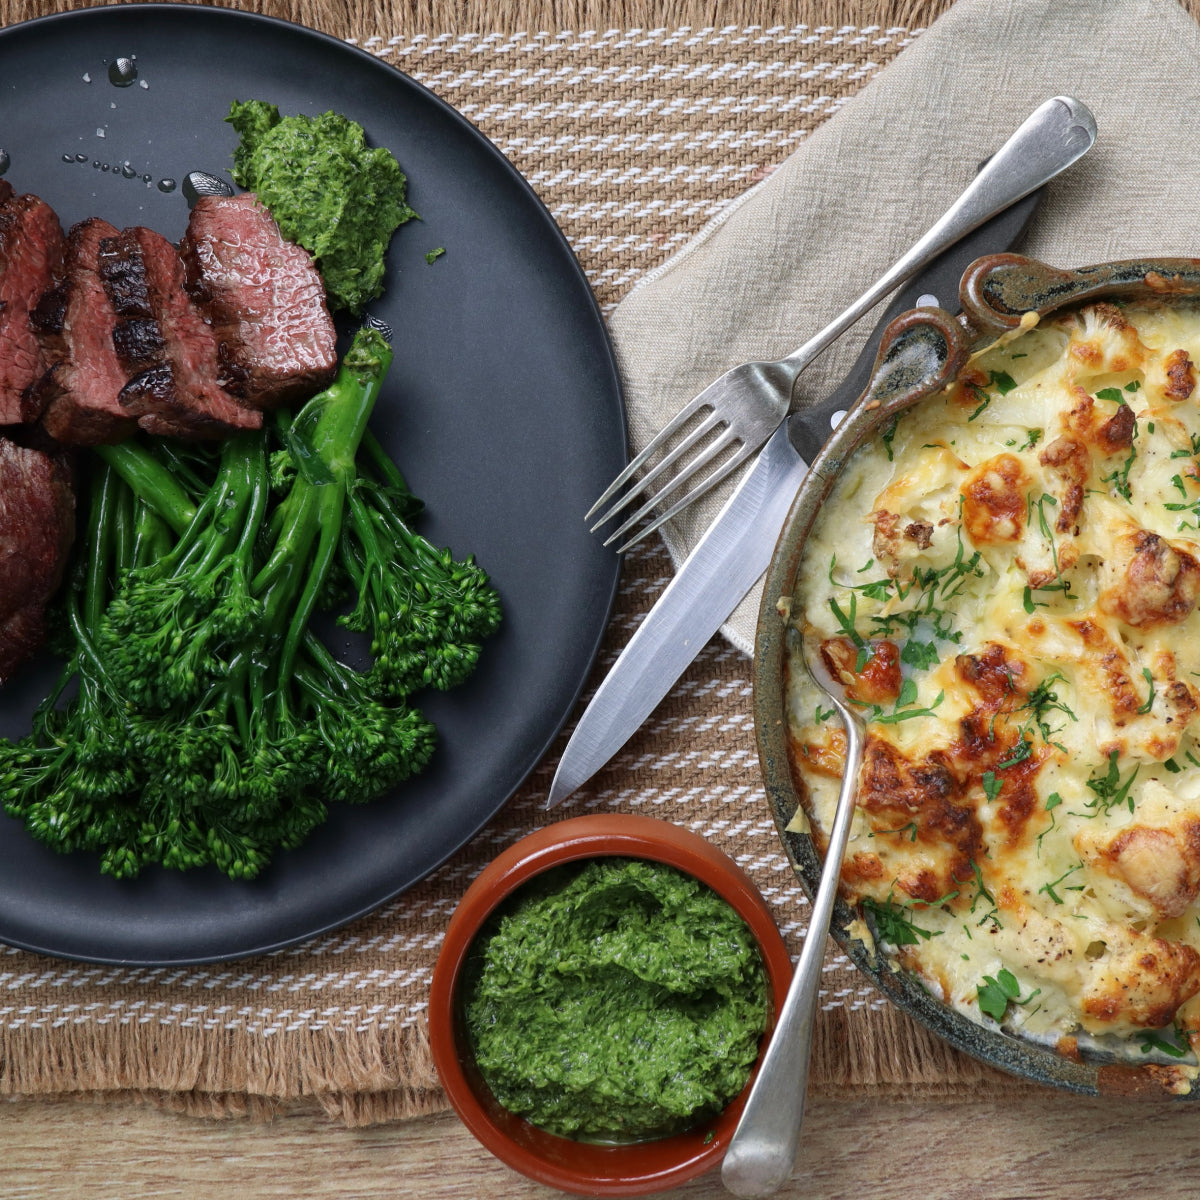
{"x": 1047, "y": 1147}
{"x": 1042, "y": 1145}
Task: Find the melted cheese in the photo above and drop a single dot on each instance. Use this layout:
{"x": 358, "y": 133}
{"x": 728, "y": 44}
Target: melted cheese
{"x": 1025, "y": 546}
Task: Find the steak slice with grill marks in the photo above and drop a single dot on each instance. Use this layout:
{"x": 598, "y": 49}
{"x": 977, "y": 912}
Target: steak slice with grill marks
{"x": 37, "y": 525}
{"x": 264, "y": 298}
{"x": 162, "y": 340}
{"x": 31, "y": 255}
{"x": 76, "y": 321}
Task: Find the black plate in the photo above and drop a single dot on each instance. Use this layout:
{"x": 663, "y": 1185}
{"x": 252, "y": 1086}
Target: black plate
{"x": 503, "y": 409}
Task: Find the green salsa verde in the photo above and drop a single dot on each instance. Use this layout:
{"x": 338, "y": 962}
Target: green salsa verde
{"x": 619, "y": 1000}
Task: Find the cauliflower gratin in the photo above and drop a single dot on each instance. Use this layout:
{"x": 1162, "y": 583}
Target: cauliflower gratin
{"x": 1007, "y": 582}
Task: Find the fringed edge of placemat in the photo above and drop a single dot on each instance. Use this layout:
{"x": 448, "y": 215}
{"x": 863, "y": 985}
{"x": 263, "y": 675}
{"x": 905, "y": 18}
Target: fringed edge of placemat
{"x": 234, "y": 1073}
{"x": 386, "y": 18}
{"x": 358, "y": 20}
{"x": 877, "y": 1052}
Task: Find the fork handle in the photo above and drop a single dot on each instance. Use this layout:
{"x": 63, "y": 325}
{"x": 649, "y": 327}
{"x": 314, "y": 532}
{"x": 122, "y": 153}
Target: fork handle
{"x": 1055, "y": 135}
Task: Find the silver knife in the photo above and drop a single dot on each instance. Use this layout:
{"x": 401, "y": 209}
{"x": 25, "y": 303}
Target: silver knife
{"x": 737, "y": 547}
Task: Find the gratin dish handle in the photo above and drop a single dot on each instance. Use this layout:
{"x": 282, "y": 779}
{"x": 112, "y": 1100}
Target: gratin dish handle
{"x": 999, "y": 289}
{"x": 920, "y": 352}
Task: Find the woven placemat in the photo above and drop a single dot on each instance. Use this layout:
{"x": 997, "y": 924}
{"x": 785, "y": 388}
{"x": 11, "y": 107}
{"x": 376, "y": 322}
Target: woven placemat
{"x": 636, "y": 126}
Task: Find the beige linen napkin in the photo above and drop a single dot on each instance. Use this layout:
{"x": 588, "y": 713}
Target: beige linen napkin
{"x": 793, "y": 252}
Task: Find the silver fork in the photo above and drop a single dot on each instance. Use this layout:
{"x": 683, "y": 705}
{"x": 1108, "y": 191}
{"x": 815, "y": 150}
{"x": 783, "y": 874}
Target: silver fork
{"x": 742, "y": 408}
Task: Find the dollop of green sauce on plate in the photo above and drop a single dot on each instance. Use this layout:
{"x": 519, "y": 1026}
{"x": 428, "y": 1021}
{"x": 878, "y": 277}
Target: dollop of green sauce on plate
{"x": 327, "y": 190}
{"x": 619, "y": 1000}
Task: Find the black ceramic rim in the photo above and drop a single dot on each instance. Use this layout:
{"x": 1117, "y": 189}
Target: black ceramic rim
{"x": 503, "y": 409}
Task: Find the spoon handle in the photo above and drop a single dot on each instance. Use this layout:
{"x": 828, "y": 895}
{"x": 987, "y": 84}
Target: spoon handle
{"x": 763, "y": 1148}
{"x": 1055, "y": 135}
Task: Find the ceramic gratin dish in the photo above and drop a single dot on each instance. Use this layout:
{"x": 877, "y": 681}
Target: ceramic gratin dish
{"x": 921, "y": 352}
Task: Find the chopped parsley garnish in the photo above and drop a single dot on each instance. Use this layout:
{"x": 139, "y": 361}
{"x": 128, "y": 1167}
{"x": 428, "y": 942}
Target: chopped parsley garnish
{"x": 1119, "y": 476}
{"x": 1188, "y": 504}
{"x": 1052, "y": 802}
{"x": 1042, "y": 700}
{"x": 910, "y": 829}
{"x": 899, "y": 712}
{"x": 1108, "y": 789}
{"x": 888, "y": 436}
{"x": 1036, "y": 510}
{"x": 983, "y": 895}
{"x": 1048, "y": 888}
{"x": 1149, "y": 704}
{"x": 894, "y": 925}
{"x": 1169, "y": 1045}
{"x": 997, "y": 993}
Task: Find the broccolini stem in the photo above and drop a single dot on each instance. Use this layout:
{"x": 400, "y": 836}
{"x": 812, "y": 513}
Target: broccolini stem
{"x": 152, "y": 536}
{"x": 382, "y": 462}
{"x": 105, "y": 497}
{"x": 150, "y": 480}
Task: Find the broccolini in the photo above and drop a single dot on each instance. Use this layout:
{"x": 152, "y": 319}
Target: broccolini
{"x": 210, "y": 724}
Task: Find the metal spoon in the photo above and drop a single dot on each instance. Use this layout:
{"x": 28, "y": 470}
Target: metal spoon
{"x": 762, "y": 1150}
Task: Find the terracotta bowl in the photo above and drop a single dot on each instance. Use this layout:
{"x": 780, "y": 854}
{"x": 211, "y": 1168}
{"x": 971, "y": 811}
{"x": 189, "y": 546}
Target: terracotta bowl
{"x": 581, "y": 1167}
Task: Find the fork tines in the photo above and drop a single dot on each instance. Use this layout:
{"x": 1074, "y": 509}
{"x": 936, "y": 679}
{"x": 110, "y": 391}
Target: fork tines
{"x": 714, "y": 438}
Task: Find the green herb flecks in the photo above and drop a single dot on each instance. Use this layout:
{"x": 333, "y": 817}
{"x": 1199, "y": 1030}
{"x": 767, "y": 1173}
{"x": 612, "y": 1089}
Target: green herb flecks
{"x": 910, "y": 830}
{"x": 997, "y": 992}
{"x": 1118, "y": 478}
{"x": 983, "y": 896}
{"x": 1148, "y": 704}
{"x": 1001, "y": 381}
{"x": 1049, "y": 889}
{"x": 1036, "y": 512}
{"x": 1052, "y": 802}
{"x": 1171, "y": 1042}
{"x": 1042, "y": 700}
{"x": 1109, "y": 790}
{"x": 893, "y": 922}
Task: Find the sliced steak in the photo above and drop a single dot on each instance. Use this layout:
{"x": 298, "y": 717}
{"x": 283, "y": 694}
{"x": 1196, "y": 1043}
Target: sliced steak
{"x": 31, "y": 255}
{"x": 163, "y": 342}
{"x": 264, "y": 299}
{"x": 75, "y": 319}
{"x": 37, "y": 525}
{"x": 20, "y": 636}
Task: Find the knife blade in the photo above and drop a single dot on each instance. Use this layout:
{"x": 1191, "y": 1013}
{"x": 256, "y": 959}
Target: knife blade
{"x": 736, "y": 548}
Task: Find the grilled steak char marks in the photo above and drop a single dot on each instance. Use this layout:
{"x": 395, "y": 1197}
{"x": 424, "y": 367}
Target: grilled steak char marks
{"x": 99, "y": 334}
{"x": 264, "y": 298}
{"x": 76, "y": 321}
{"x": 164, "y": 342}
{"x": 31, "y": 259}
{"x": 37, "y": 525}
